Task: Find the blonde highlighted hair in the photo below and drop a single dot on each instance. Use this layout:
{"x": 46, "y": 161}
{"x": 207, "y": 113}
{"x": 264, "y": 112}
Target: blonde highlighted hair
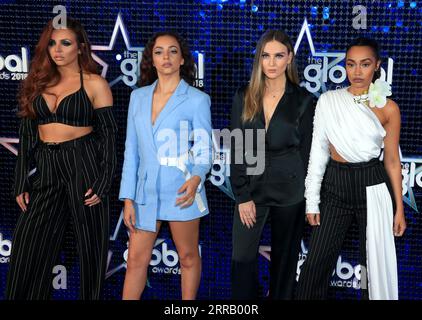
{"x": 255, "y": 91}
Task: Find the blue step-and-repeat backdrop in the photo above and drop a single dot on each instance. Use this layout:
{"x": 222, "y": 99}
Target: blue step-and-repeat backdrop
{"x": 222, "y": 35}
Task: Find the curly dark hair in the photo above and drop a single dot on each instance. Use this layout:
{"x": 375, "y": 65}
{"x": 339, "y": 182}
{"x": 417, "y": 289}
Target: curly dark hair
{"x": 148, "y": 71}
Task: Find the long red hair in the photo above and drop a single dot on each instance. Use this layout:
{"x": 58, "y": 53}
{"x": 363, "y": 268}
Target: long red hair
{"x": 43, "y": 71}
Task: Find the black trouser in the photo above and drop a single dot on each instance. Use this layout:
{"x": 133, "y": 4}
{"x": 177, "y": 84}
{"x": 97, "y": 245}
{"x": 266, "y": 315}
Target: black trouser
{"x": 343, "y": 198}
{"x": 64, "y": 173}
{"x": 286, "y": 233}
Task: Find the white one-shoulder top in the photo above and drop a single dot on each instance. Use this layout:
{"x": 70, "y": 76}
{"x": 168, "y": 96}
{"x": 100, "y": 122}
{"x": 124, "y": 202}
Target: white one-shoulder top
{"x": 351, "y": 127}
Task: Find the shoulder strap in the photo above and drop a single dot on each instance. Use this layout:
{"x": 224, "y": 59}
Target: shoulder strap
{"x": 82, "y": 78}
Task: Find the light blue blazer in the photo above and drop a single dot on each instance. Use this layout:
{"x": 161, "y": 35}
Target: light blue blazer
{"x": 149, "y": 178}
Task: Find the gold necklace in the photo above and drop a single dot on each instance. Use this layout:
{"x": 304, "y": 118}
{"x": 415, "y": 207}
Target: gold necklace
{"x": 275, "y": 92}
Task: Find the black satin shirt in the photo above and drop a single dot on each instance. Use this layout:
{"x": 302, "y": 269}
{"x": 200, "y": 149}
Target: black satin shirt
{"x": 287, "y": 146}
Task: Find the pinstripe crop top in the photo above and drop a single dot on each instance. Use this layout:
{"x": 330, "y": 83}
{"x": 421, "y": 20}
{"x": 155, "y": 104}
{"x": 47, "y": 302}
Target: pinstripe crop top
{"x": 75, "y": 109}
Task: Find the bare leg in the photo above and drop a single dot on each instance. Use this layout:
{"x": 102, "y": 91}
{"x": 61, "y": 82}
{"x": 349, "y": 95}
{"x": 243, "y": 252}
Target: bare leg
{"x": 186, "y": 238}
{"x": 140, "y": 249}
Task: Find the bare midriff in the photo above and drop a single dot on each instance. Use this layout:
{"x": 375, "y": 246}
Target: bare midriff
{"x": 335, "y": 156}
{"x": 58, "y": 132}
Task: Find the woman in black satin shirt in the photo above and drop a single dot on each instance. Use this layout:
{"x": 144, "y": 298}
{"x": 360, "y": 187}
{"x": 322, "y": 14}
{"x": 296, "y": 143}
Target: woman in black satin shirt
{"x": 279, "y": 115}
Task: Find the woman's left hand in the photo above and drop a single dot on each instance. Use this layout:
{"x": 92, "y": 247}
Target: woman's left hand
{"x": 93, "y": 200}
{"x": 189, "y": 187}
{"x": 399, "y": 223}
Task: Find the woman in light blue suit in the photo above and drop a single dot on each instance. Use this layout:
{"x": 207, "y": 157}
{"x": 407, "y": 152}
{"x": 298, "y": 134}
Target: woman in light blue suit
{"x": 168, "y": 152}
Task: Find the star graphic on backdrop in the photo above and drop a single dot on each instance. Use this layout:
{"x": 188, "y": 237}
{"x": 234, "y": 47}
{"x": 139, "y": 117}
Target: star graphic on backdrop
{"x": 118, "y": 26}
{"x": 410, "y": 199}
{"x": 338, "y": 56}
{"x": 113, "y": 238}
{"x": 265, "y": 251}
{"x": 8, "y": 144}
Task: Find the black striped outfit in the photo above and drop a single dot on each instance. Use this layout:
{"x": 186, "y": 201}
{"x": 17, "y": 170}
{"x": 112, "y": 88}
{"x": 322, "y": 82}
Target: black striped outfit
{"x": 64, "y": 172}
{"x": 343, "y": 199}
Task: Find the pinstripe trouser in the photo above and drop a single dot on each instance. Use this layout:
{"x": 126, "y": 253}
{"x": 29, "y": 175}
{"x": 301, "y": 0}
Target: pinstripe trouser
{"x": 64, "y": 173}
{"x": 343, "y": 198}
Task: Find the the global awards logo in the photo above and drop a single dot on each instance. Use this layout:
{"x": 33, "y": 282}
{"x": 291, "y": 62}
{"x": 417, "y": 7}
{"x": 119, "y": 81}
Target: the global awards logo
{"x": 14, "y": 67}
{"x": 129, "y": 59}
{"x": 412, "y": 178}
{"x": 325, "y": 67}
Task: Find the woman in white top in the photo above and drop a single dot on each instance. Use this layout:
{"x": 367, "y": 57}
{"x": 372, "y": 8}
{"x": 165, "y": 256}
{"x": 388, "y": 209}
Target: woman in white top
{"x": 346, "y": 179}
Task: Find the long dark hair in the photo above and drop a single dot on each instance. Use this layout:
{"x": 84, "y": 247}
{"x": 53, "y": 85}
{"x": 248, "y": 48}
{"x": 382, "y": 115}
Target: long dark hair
{"x": 371, "y": 43}
{"x": 43, "y": 71}
{"x": 148, "y": 71}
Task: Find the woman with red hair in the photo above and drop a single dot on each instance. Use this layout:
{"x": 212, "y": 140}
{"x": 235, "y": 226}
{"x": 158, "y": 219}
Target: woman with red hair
{"x": 68, "y": 131}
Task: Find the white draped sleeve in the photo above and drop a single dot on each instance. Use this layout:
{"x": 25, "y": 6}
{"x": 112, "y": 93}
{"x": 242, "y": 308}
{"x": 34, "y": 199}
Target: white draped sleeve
{"x": 318, "y": 158}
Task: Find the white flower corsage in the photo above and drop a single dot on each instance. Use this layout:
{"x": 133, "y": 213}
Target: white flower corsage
{"x": 378, "y": 93}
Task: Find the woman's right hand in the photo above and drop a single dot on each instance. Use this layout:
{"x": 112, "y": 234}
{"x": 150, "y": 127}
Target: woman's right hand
{"x": 23, "y": 200}
{"x": 247, "y": 212}
{"x": 129, "y": 215}
{"x": 313, "y": 219}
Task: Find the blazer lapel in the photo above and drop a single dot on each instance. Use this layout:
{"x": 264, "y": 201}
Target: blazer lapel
{"x": 147, "y": 102}
{"x": 179, "y": 95}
